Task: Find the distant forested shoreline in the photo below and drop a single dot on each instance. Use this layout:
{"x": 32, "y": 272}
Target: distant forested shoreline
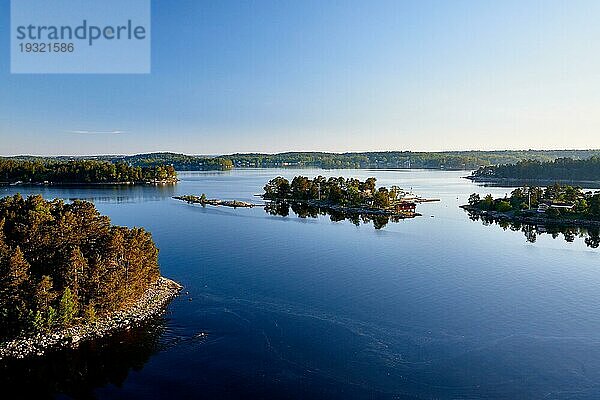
{"x": 55, "y": 171}
{"x": 449, "y": 160}
{"x": 561, "y": 169}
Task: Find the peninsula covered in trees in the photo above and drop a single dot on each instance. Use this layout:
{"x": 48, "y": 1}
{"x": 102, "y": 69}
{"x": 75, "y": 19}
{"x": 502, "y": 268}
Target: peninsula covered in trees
{"x": 63, "y": 266}
{"x": 556, "y": 204}
{"x": 81, "y": 171}
{"x": 536, "y": 171}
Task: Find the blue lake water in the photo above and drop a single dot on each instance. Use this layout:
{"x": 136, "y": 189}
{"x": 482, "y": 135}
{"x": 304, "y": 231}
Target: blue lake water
{"x": 438, "y": 306}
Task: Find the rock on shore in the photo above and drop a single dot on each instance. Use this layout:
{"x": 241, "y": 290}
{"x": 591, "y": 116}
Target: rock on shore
{"x": 153, "y": 302}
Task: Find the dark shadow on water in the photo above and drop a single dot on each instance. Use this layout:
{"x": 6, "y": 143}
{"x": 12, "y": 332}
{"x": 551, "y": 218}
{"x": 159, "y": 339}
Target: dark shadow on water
{"x": 77, "y": 373}
{"x": 590, "y": 236}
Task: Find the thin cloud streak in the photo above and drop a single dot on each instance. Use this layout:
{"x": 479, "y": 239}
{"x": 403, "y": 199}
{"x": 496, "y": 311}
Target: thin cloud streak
{"x": 86, "y": 132}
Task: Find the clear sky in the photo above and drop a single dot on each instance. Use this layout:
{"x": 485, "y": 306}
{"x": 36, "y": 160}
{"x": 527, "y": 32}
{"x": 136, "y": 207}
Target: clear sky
{"x": 269, "y": 76}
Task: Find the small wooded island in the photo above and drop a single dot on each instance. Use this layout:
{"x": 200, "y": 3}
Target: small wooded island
{"x": 340, "y": 198}
{"x": 49, "y": 171}
{"x": 554, "y": 205}
{"x": 204, "y": 201}
{"x": 349, "y": 195}
{"x": 68, "y": 275}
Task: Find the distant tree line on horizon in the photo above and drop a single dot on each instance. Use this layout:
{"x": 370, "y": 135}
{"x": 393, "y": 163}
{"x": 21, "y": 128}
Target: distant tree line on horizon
{"x": 81, "y": 171}
{"x": 450, "y": 160}
{"x": 64, "y": 263}
{"x": 561, "y": 169}
{"x": 180, "y": 162}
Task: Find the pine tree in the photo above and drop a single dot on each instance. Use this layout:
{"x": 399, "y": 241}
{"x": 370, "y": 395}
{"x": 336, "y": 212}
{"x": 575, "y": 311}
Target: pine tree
{"x": 67, "y": 307}
{"x": 15, "y": 293}
{"x": 18, "y": 270}
{"x": 74, "y": 270}
{"x": 51, "y": 318}
{"x": 5, "y": 252}
{"x": 90, "y": 313}
{"x": 44, "y": 294}
{"x": 4, "y": 249}
{"x": 36, "y": 320}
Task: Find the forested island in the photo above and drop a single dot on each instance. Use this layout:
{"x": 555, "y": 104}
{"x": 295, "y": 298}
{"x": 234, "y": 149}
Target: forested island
{"x": 180, "y": 162}
{"x": 67, "y": 275}
{"x": 559, "y": 205}
{"x": 567, "y": 170}
{"x": 340, "y": 198}
{"x": 348, "y": 195}
{"x": 49, "y": 171}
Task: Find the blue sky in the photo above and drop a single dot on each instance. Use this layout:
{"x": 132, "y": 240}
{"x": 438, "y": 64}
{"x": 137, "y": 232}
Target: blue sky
{"x": 268, "y": 76}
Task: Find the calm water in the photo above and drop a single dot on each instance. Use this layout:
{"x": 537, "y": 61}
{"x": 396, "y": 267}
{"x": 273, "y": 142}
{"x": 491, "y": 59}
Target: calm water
{"x": 281, "y": 307}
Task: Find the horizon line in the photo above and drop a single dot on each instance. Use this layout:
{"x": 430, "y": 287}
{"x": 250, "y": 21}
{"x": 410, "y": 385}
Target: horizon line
{"x": 214, "y": 155}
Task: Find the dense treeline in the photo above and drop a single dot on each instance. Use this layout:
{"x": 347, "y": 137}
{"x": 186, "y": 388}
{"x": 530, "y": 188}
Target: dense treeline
{"x": 557, "y": 201}
{"x": 566, "y": 169}
{"x": 339, "y": 191}
{"x": 402, "y": 159}
{"x": 180, "y": 162}
{"x": 382, "y": 159}
{"x": 81, "y": 171}
{"x": 61, "y": 264}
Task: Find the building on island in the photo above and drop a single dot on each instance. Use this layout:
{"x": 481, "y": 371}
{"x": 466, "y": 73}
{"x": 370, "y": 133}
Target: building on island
{"x": 543, "y": 207}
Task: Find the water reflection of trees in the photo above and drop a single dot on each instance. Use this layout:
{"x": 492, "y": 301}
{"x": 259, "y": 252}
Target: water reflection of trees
{"x": 591, "y": 236}
{"x": 303, "y": 210}
{"x": 115, "y": 194}
{"x": 77, "y": 373}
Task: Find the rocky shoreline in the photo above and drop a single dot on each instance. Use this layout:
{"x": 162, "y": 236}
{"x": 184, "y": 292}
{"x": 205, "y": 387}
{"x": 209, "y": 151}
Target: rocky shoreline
{"x": 153, "y": 302}
{"x": 191, "y": 199}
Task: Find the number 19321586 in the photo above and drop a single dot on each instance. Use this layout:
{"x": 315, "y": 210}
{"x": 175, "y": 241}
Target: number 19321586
{"x": 47, "y": 47}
